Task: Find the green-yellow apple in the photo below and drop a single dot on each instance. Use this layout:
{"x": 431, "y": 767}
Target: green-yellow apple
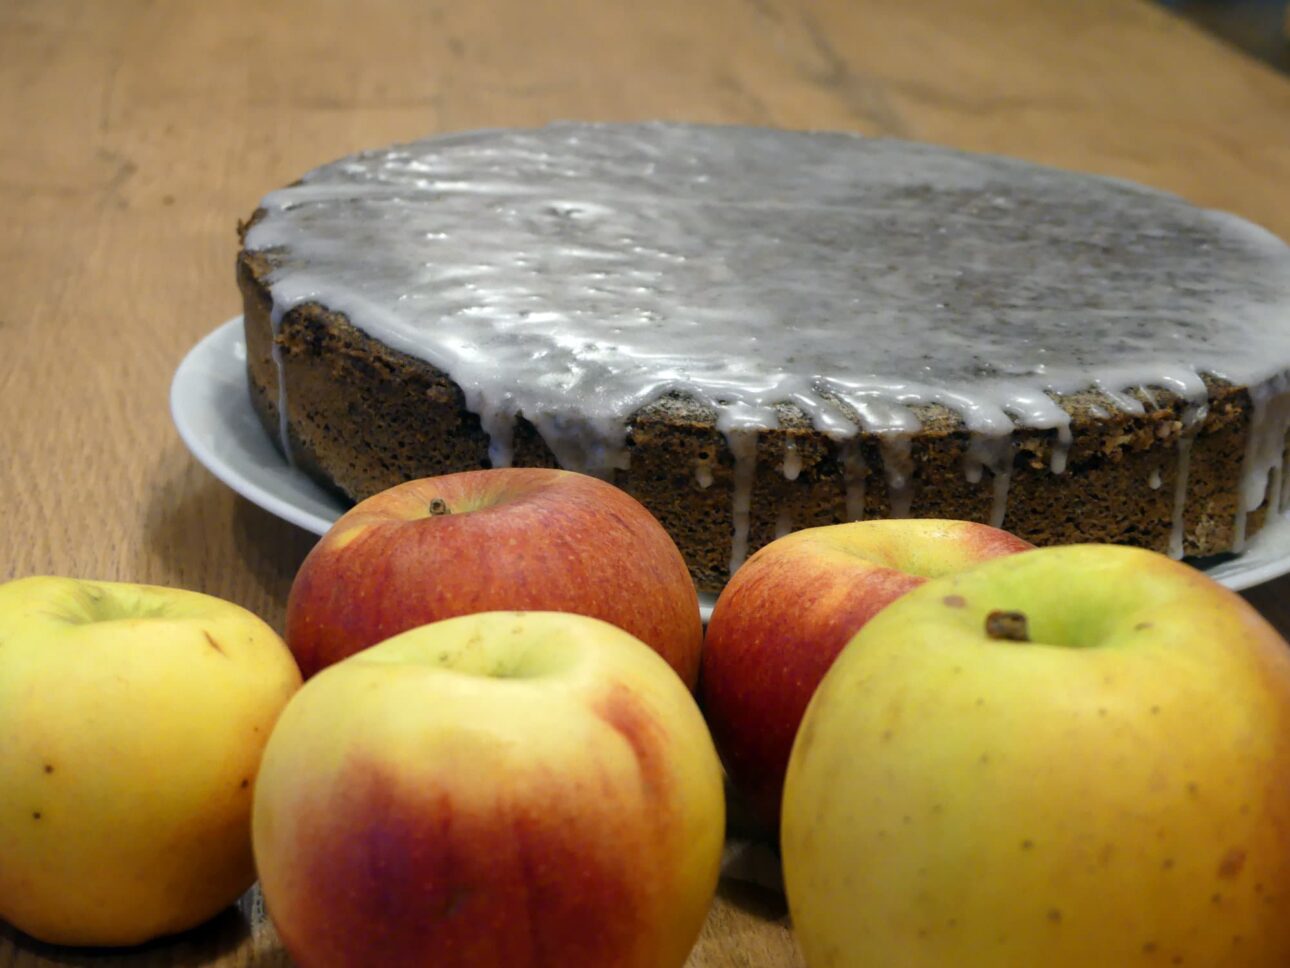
{"x": 509, "y": 538}
{"x": 1069, "y": 757}
{"x": 132, "y": 720}
{"x": 498, "y": 790}
{"x": 787, "y": 613}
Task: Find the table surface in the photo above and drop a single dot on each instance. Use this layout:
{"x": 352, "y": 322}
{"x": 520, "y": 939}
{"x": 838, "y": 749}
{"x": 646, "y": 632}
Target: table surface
{"x": 138, "y": 133}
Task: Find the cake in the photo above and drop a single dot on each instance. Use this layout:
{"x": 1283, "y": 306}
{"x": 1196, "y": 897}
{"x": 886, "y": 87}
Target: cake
{"x": 755, "y": 330}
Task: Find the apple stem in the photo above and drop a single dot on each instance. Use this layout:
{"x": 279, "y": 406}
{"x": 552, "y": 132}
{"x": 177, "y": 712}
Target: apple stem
{"x": 439, "y": 506}
{"x": 1007, "y": 626}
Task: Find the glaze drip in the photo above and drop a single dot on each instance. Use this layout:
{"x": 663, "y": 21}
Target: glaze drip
{"x": 1180, "y": 500}
{"x": 783, "y": 523}
{"x": 996, "y": 454}
{"x": 792, "y": 465}
{"x": 1192, "y": 416}
{"x": 898, "y": 469}
{"x": 853, "y": 479}
{"x": 1265, "y": 452}
{"x": 743, "y": 445}
{"x": 703, "y": 474}
{"x": 275, "y": 350}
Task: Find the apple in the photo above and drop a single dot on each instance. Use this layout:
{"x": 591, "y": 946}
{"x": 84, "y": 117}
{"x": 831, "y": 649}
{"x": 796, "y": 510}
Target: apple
{"x": 510, "y": 538}
{"x": 498, "y": 789}
{"x": 132, "y": 720}
{"x": 1068, "y": 757}
{"x": 786, "y": 614}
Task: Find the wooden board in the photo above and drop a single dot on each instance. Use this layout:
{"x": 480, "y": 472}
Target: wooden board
{"x": 138, "y": 133}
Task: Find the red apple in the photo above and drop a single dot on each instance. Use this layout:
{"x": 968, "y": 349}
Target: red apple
{"x": 494, "y": 791}
{"x": 787, "y": 613}
{"x": 502, "y": 539}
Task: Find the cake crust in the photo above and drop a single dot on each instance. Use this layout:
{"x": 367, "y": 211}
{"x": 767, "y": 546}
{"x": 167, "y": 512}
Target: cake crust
{"x": 362, "y": 417}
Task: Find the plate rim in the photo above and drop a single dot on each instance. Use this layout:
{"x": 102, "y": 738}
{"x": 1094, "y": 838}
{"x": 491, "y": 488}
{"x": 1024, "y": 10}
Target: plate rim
{"x": 190, "y": 367}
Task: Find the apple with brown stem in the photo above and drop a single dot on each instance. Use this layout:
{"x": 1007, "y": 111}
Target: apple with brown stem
{"x": 495, "y": 790}
{"x": 509, "y": 538}
{"x": 1075, "y": 756}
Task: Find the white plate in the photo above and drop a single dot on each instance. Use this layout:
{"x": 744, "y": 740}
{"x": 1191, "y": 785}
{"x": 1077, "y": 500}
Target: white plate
{"x": 212, "y": 410}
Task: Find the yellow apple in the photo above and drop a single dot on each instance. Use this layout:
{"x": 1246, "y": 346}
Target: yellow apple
{"x": 496, "y": 790}
{"x": 132, "y": 720}
{"x": 1068, "y": 757}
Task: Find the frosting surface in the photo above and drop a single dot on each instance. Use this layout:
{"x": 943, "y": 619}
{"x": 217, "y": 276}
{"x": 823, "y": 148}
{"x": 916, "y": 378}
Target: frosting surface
{"x": 573, "y": 273}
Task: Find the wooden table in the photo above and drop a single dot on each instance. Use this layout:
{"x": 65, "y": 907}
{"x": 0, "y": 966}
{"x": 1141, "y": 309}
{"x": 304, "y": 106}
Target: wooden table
{"x": 136, "y": 134}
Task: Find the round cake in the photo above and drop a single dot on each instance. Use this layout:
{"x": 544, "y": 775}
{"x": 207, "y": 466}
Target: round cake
{"x": 754, "y": 331}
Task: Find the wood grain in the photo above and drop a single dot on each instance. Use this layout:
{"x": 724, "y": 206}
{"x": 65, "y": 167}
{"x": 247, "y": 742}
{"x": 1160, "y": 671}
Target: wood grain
{"x": 137, "y": 133}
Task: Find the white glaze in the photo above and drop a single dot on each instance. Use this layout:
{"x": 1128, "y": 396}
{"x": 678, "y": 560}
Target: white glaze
{"x": 1190, "y": 422}
{"x": 1265, "y": 450}
{"x": 792, "y": 465}
{"x": 1176, "y": 529}
{"x": 854, "y": 474}
{"x": 1285, "y": 482}
{"x": 575, "y": 273}
{"x": 275, "y": 351}
{"x": 1062, "y": 447}
{"x": 898, "y": 469}
{"x": 743, "y": 445}
{"x": 999, "y": 497}
{"x": 783, "y": 522}
{"x": 996, "y": 454}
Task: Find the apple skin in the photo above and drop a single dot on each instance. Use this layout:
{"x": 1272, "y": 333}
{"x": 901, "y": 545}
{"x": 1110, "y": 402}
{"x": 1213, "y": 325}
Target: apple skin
{"x": 1115, "y": 791}
{"x": 516, "y": 538}
{"x": 508, "y": 789}
{"x": 133, "y": 719}
{"x": 786, "y": 614}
